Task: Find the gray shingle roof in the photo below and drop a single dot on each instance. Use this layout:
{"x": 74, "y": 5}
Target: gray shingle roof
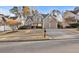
{"x": 30, "y": 17}
{"x": 44, "y": 15}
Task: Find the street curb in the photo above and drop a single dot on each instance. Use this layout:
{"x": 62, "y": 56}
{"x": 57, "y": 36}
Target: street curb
{"x": 23, "y": 40}
{"x": 32, "y": 40}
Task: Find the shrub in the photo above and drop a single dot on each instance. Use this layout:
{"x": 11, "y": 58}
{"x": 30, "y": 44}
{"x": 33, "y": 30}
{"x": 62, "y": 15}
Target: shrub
{"x": 74, "y": 25}
{"x": 24, "y": 27}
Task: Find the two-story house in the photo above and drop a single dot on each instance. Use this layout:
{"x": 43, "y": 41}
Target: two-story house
{"x": 69, "y": 18}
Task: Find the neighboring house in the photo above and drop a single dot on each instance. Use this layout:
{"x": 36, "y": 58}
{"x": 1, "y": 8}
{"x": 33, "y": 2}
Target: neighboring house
{"x": 29, "y": 21}
{"x": 1, "y": 21}
{"x": 3, "y": 27}
{"x": 69, "y": 18}
{"x": 37, "y": 20}
{"x": 52, "y": 20}
{"x": 49, "y": 22}
{"x": 77, "y": 17}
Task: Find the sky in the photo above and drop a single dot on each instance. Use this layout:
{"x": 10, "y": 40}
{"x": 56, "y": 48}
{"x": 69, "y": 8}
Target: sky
{"x": 43, "y": 9}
